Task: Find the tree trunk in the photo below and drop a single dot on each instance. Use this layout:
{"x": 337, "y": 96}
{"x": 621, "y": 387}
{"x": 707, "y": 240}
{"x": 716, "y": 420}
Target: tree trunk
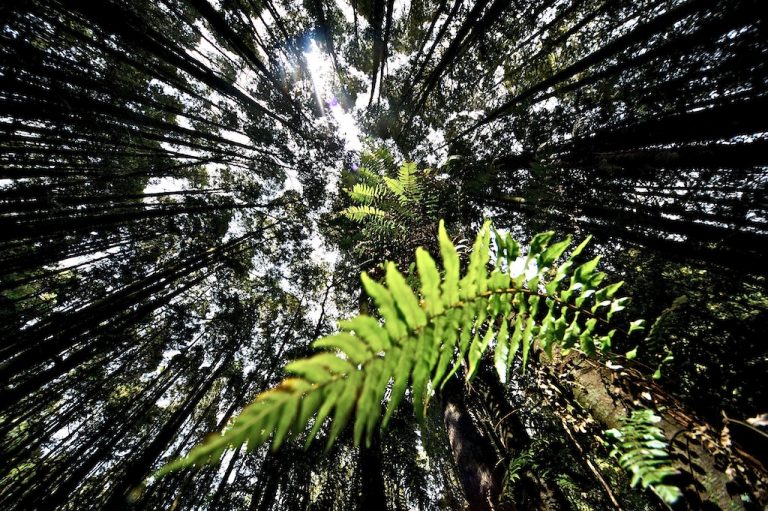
{"x": 713, "y": 476}
{"x": 373, "y": 495}
{"x": 475, "y": 460}
{"x": 503, "y": 424}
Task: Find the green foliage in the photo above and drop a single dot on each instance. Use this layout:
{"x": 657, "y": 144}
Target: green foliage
{"x": 515, "y": 467}
{"x": 390, "y": 207}
{"x": 654, "y": 341}
{"x": 421, "y": 339}
{"x": 360, "y": 213}
{"x": 642, "y": 449}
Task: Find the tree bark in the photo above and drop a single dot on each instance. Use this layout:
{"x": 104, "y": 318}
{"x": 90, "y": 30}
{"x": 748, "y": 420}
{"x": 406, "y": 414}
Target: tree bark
{"x": 475, "y": 460}
{"x": 695, "y": 446}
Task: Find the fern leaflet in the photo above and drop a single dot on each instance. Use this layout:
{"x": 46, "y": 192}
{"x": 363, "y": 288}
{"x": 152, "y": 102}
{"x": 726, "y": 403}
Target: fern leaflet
{"x": 642, "y": 449}
{"x": 359, "y": 213}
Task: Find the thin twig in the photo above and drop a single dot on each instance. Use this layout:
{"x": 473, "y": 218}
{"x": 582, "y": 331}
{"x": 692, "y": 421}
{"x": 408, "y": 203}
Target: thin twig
{"x": 591, "y": 466}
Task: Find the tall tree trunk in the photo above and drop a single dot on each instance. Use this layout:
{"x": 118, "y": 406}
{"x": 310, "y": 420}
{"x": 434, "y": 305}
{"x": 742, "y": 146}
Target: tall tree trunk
{"x": 503, "y": 424}
{"x": 474, "y": 458}
{"x": 140, "y": 466}
{"x": 374, "y": 497}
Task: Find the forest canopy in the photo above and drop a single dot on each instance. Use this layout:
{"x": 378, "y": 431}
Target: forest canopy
{"x": 489, "y": 255}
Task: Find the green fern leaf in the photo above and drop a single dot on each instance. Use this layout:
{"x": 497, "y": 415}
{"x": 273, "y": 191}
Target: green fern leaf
{"x": 642, "y": 449}
{"x": 396, "y": 187}
{"x": 400, "y": 376}
{"x": 372, "y": 362}
{"x": 430, "y": 282}
{"x": 451, "y": 265}
{"x": 409, "y": 182}
{"x": 361, "y": 213}
{"x": 406, "y": 301}
{"x": 364, "y": 193}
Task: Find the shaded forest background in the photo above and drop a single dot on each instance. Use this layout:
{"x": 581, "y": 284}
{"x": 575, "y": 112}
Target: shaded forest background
{"x": 170, "y": 174}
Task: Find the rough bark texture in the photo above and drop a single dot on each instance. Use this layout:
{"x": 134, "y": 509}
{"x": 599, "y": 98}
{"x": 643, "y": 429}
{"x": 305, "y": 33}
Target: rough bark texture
{"x": 474, "y": 458}
{"x": 504, "y": 424}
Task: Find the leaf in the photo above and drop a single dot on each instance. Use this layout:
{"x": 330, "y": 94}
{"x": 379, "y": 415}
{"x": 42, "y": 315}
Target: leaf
{"x": 369, "y": 329}
{"x": 401, "y": 376}
{"x": 320, "y": 368}
{"x": 330, "y": 398}
{"x": 513, "y": 249}
{"x": 607, "y": 292}
{"x": 407, "y": 179}
{"x": 636, "y": 326}
{"x": 577, "y": 251}
{"x": 351, "y": 346}
{"x": 553, "y": 252}
{"x": 406, "y": 301}
{"x": 421, "y": 373}
{"x": 310, "y": 403}
{"x": 418, "y": 339}
{"x": 586, "y": 343}
{"x": 451, "y": 327}
{"x": 344, "y": 406}
{"x": 667, "y": 493}
{"x": 386, "y": 305}
{"x": 641, "y": 448}
{"x": 540, "y": 242}
{"x": 500, "y": 248}
{"x": 285, "y": 421}
{"x": 367, "y": 401}
{"x": 430, "y": 282}
{"x": 451, "y": 266}
{"x": 476, "y": 351}
{"x": 361, "y": 213}
{"x": 396, "y": 188}
{"x": 582, "y": 273}
{"x": 669, "y": 357}
{"x": 363, "y": 193}
{"x": 616, "y": 306}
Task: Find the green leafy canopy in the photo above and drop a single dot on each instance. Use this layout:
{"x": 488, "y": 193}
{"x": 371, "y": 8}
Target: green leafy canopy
{"x": 420, "y": 339}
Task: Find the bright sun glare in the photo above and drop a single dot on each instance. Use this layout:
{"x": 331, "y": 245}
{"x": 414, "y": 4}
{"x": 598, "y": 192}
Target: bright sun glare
{"x": 322, "y": 74}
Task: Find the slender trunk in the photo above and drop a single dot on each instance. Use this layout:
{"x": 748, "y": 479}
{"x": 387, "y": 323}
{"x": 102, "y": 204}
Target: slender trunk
{"x": 373, "y": 496}
{"x": 140, "y": 467}
{"x": 639, "y": 34}
{"x": 475, "y": 460}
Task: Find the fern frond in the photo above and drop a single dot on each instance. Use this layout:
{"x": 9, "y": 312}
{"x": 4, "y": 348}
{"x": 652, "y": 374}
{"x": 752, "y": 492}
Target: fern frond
{"x": 406, "y": 188}
{"x": 409, "y": 181}
{"x": 422, "y": 339}
{"x": 362, "y": 213}
{"x": 368, "y": 176}
{"x": 396, "y": 187}
{"x": 383, "y": 226}
{"x": 431, "y": 203}
{"x": 365, "y": 194}
{"x": 642, "y": 449}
